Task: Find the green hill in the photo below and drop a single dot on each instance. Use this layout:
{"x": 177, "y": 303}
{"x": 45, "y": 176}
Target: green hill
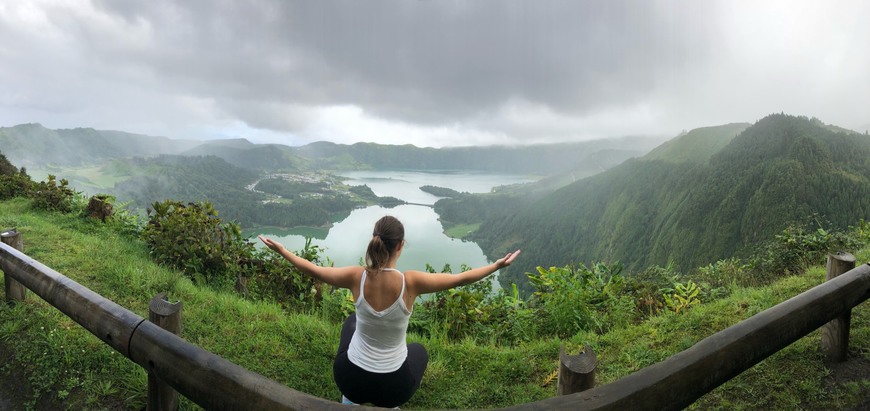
{"x": 251, "y": 156}
{"x": 697, "y": 145}
{"x": 34, "y": 145}
{"x": 651, "y": 211}
{"x": 583, "y": 158}
{"x": 187, "y": 179}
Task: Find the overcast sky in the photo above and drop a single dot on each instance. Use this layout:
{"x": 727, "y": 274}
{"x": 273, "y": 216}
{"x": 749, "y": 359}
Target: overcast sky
{"x": 430, "y": 73}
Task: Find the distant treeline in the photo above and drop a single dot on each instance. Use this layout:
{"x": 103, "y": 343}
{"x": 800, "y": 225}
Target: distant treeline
{"x": 440, "y": 191}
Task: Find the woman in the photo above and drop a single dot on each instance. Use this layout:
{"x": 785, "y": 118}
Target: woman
{"x": 374, "y": 364}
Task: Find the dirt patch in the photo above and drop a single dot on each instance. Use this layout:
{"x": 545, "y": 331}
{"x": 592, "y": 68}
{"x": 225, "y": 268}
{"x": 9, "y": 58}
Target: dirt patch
{"x": 13, "y": 383}
{"x": 855, "y": 369}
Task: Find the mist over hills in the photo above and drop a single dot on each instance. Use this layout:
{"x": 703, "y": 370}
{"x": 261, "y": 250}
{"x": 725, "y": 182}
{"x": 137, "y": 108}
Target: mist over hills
{"x": 705, "y": 195}
{"x": 543, "y": 159}
{"x": 33, "y": 145}
{"x": 671, "y": 206}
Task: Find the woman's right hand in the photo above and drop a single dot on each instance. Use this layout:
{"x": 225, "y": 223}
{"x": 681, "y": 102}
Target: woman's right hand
{"x": 274, "y": 245}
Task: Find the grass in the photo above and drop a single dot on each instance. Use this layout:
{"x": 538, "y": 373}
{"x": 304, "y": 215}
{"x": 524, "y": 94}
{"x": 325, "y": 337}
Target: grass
{"x": 62, "y": 366}
{"x": 461, "y": 230}
{"x": 92, "y": 178}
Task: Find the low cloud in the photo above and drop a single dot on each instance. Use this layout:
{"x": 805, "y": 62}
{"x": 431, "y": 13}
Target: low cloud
{"x": 429, "y": 73}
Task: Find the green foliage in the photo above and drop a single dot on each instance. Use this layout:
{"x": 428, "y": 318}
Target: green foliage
{"x": 193, "y": 239}
{"x": 797, "y": 248}
{"x": 365, "y": 193}
{"x": 275, "y": 279}
{"x": 14, "y": 185}
{"x": 576, "y": 298}
{"x": 697, "y": 145}
{"x": 452, "y": 314}
{"x": 49, "y": 195}
{"x": 717, "y": 279}
{"x": 6, "y": 167}
{"x": 124, "y": 220}
{"x": 682, "y": 296}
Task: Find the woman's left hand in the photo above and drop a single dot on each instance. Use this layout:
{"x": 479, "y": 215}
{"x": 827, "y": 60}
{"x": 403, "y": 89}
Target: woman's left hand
{"x": 507, "y": 259}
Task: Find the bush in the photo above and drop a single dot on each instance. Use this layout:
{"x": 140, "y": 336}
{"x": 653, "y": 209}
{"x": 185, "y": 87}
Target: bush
{"x": 645, "y": 287}
{"x": 455, "y": 313}
{"x": 192, "y": 238}
{"x": 795, "y": 249}
{"x": 571, "y": 299}
{"x": 49, "y": 195}
{"x": 716, "y": 280}
{"x": 14, "y": 185}
{"x": 275, "y": 279}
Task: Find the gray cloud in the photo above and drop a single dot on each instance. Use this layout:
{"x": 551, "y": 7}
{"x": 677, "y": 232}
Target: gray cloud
{"x": 510, "y": 70}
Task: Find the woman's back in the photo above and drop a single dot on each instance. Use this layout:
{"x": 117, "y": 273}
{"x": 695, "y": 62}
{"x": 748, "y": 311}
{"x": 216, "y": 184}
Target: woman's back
{"x": 378, "y": 345}
{"x": 382, "y": 288}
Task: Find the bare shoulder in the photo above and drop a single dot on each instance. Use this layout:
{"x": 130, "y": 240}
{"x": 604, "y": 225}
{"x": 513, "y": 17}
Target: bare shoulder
{"x": 413, "y": 277}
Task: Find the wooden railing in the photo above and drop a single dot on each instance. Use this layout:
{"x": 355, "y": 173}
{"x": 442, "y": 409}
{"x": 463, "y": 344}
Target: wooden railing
{"x": 674, "y": 383}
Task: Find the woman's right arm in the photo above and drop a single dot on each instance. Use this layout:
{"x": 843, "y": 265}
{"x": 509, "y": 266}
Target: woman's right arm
{"x": 344, "y": 277}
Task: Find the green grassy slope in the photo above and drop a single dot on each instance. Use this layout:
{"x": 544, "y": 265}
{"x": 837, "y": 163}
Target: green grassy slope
{"x": 697, "y": 145}
{"x": 61, "y": 366}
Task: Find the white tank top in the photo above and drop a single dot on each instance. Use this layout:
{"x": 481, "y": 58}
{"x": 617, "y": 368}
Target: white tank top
{"x": 378, "y": 345}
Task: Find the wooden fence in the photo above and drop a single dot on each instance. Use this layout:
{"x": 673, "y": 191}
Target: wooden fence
{"x": 674, "y": 383}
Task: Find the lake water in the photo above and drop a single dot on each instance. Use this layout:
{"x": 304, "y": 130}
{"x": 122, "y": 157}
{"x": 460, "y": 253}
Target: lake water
{"x": 345, "y": 242}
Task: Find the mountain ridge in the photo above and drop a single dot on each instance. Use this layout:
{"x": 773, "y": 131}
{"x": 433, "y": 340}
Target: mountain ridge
{"x": 649, "y": 211}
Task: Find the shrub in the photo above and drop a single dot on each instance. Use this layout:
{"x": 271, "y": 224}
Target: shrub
{"x": 570, "y": 299}
{"x": 645, "y": 287}
{"x": 14, "y": 185}
{"x": 193, "y": 239}
{"x": 795, "y": 249}
{"x": 512, "y": 321}
{"x": 49, "y": 195}
{"x": 455, "y": 313}
{"x": 716, "y": 280}
{"x": 682, "y": 296}
{"x": 275, "y": 279}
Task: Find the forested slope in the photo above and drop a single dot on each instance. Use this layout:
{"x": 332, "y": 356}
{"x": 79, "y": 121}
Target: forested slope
{"x": 32, "y": 144}
{"x": 655, "y": 210}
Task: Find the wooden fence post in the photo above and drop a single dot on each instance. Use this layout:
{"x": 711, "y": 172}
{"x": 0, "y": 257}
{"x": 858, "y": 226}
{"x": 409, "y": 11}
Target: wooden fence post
{"x": 14, "y": 290}
{"x": 576, "y": 372}
{"x": 835, "y": 334}
{"x": 166, "y": 315}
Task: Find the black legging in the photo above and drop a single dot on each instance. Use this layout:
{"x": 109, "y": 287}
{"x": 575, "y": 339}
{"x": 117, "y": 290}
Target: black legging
{"x": 390, "y": 389}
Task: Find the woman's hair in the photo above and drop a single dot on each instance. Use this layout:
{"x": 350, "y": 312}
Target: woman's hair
{"x": 386, "y": 237}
